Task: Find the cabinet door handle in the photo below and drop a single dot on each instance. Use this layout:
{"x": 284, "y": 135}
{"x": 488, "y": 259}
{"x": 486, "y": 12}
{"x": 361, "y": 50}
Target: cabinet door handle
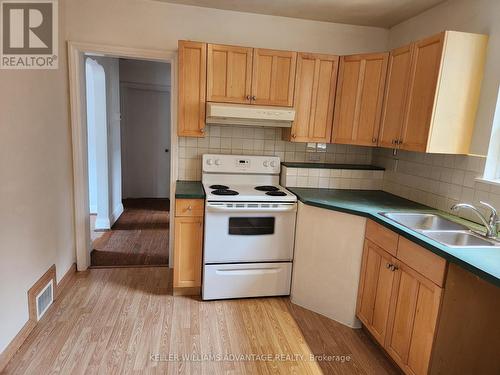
{"x": 388, "y": 265}
{"x": 202, "y": 130}
{"x": 248, "y": 97}
{"x": 294, "y": 136}
{"x": 254, "y": 97}
{"x": 374, "y": 140}
{"x": 190, "y": 208}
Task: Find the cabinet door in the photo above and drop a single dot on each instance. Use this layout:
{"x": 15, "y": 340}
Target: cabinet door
{"x": 187, "y": 251}
{"x": 273, "y": 77}
{"x": 396, "y": 92}
{"x": 375, "y": 290}
{"x": 192, "y": 88}
{"x": 315, "y": 84}
{"x": 412, "y": 321}
{"x": 229, "y": 74}
{"x": 360, "y": 93}
{"x": 423, "y": 82}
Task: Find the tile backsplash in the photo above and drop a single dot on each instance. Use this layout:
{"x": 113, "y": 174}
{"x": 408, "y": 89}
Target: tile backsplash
{"x": 332, "y": 178}
{"x": 249, "y": 140}
{"x": 437, "y": 180}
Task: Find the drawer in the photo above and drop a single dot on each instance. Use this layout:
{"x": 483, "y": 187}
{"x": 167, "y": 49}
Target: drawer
{"x": 383, "y": 237}
{"x": 242, "y": 280}
{"x": 422, "y": 260}
{"x": 189, "y": 207}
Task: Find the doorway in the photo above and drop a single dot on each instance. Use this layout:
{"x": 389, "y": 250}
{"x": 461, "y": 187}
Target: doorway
{"x": 128, "y": 126}
{"x": 145, "y": 206}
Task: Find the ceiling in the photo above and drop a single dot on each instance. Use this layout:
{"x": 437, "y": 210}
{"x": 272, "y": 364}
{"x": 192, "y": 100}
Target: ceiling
{"x": 381, "y": 13}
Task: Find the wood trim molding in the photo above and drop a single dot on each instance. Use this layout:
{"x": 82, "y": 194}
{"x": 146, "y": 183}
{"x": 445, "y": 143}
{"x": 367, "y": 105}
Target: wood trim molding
{"x": 23, "y": 334}
{"x": 37, "y": 288}
{"x": 15, "y": 344}
{"x": 66, "y": 280}
{"x": 76, "y": 68}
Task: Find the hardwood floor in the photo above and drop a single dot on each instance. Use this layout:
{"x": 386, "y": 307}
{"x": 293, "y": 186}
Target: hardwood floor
{"x": 126, "y": 321}
{"x": 138, "y": 238}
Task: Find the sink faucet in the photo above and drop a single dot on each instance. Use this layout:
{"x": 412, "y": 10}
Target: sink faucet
{"x": 490, "y": 224}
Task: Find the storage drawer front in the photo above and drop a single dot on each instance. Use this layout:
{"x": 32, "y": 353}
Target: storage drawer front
{"x": 246, "y": 280}
{"x": 383, "y": 237}
{"x": 422, "y": 260}
{"x": 189, "y": 207}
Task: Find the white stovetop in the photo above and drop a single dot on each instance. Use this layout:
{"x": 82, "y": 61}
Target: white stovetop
{"x": 247, "y": 193}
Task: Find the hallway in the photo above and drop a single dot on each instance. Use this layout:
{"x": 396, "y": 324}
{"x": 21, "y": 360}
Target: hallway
{"x": 138, "y": 238}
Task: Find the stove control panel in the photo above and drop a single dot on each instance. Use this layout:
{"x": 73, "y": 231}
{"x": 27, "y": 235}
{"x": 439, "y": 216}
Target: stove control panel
{"x": 241, "y": 164}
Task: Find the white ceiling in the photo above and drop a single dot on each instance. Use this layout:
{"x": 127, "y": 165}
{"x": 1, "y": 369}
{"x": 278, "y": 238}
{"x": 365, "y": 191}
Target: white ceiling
{"x": 382, "y": 13}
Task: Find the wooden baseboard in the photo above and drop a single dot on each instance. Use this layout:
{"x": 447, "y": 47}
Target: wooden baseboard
{"x": 66, "y": 279}
{"x": 23, "y": 334}
{"x": 191, "y": 291}
{"x": 15, "y": 344}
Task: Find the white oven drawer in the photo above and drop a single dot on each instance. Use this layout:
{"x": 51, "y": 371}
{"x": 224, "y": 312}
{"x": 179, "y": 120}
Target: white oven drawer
{"x": 222, "y": 281}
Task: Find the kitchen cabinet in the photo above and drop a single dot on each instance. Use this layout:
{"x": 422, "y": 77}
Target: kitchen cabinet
{"x": 229, "y": 74}
{"x": 273, "y": 77}
{"x": 399, "y": 297}
{"x": 396, "y": 91}
{"x": 431, "y": 107}
{"x": 360, "y": 92}
{"x": 412, "y": 322}
{"x": 188, "y": 246}
{"x": 375, "y": 289}
{"x": 192, "y": 88}
{"x": 314, "y": 98}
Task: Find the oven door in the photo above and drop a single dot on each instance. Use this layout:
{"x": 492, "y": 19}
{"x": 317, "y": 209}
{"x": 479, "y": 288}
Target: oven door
{"x": 249, "y": 232}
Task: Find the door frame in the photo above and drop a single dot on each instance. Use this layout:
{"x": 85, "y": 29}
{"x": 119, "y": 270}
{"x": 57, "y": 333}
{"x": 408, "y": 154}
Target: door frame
{"x": 78, "y": 118}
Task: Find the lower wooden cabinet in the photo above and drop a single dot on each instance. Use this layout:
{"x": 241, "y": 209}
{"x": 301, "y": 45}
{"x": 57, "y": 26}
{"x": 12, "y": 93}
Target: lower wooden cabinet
{"x": 398, "y": 305}
{"x": 412, "y": 320}
{"x": 375, "y": 289}
{"x": 188, "y": 245}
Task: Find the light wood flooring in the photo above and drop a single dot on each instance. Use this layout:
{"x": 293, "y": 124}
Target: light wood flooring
{"x": 126, "y": 321}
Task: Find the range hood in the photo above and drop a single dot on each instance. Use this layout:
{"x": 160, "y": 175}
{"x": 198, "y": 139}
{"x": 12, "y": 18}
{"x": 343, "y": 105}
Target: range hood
{"x": 241, "y": 114}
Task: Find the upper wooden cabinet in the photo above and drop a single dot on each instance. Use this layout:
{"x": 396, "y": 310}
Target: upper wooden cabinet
{"x": 438, "y": 99}
{"x": 315, "y": 85}
{"x": 359, "y": 100}
{"x": 396, "y": 91}
{"x": 192, "y": 88}
{"x": 229, "y": 74}
{"x": 273, "y": 77}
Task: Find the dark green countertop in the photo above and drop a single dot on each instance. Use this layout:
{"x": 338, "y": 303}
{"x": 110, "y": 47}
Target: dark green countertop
{"x": 189, "y": 190}
{"x": 332, "y": 166}
{"x": 483, "y": 262}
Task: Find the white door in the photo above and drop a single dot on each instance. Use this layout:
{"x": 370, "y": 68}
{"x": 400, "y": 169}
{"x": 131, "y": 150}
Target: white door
{"x": 146, "y": 143}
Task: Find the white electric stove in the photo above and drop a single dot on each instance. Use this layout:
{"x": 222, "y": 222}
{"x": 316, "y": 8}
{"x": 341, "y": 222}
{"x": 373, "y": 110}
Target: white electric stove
{"x": 249, "y": 227}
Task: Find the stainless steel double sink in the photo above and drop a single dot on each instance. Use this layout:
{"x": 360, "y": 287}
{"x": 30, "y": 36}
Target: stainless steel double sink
{"x": 441, "y": 229}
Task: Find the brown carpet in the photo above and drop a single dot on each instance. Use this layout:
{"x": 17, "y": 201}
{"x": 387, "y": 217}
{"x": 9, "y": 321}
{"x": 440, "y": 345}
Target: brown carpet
{"x": 138, "y": 238}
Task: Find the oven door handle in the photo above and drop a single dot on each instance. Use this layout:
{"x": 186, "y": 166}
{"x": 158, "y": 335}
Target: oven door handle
{"x": 291, "y": 208}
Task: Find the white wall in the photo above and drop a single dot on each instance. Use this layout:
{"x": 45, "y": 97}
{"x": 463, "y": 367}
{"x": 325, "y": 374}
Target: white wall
{"x": 145, "y": 72}
{"x": 477, "y": 16}
{"x": 113, "y": 137}
{"x": 97, "y": 142}
{"x": 36, "y": 193}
